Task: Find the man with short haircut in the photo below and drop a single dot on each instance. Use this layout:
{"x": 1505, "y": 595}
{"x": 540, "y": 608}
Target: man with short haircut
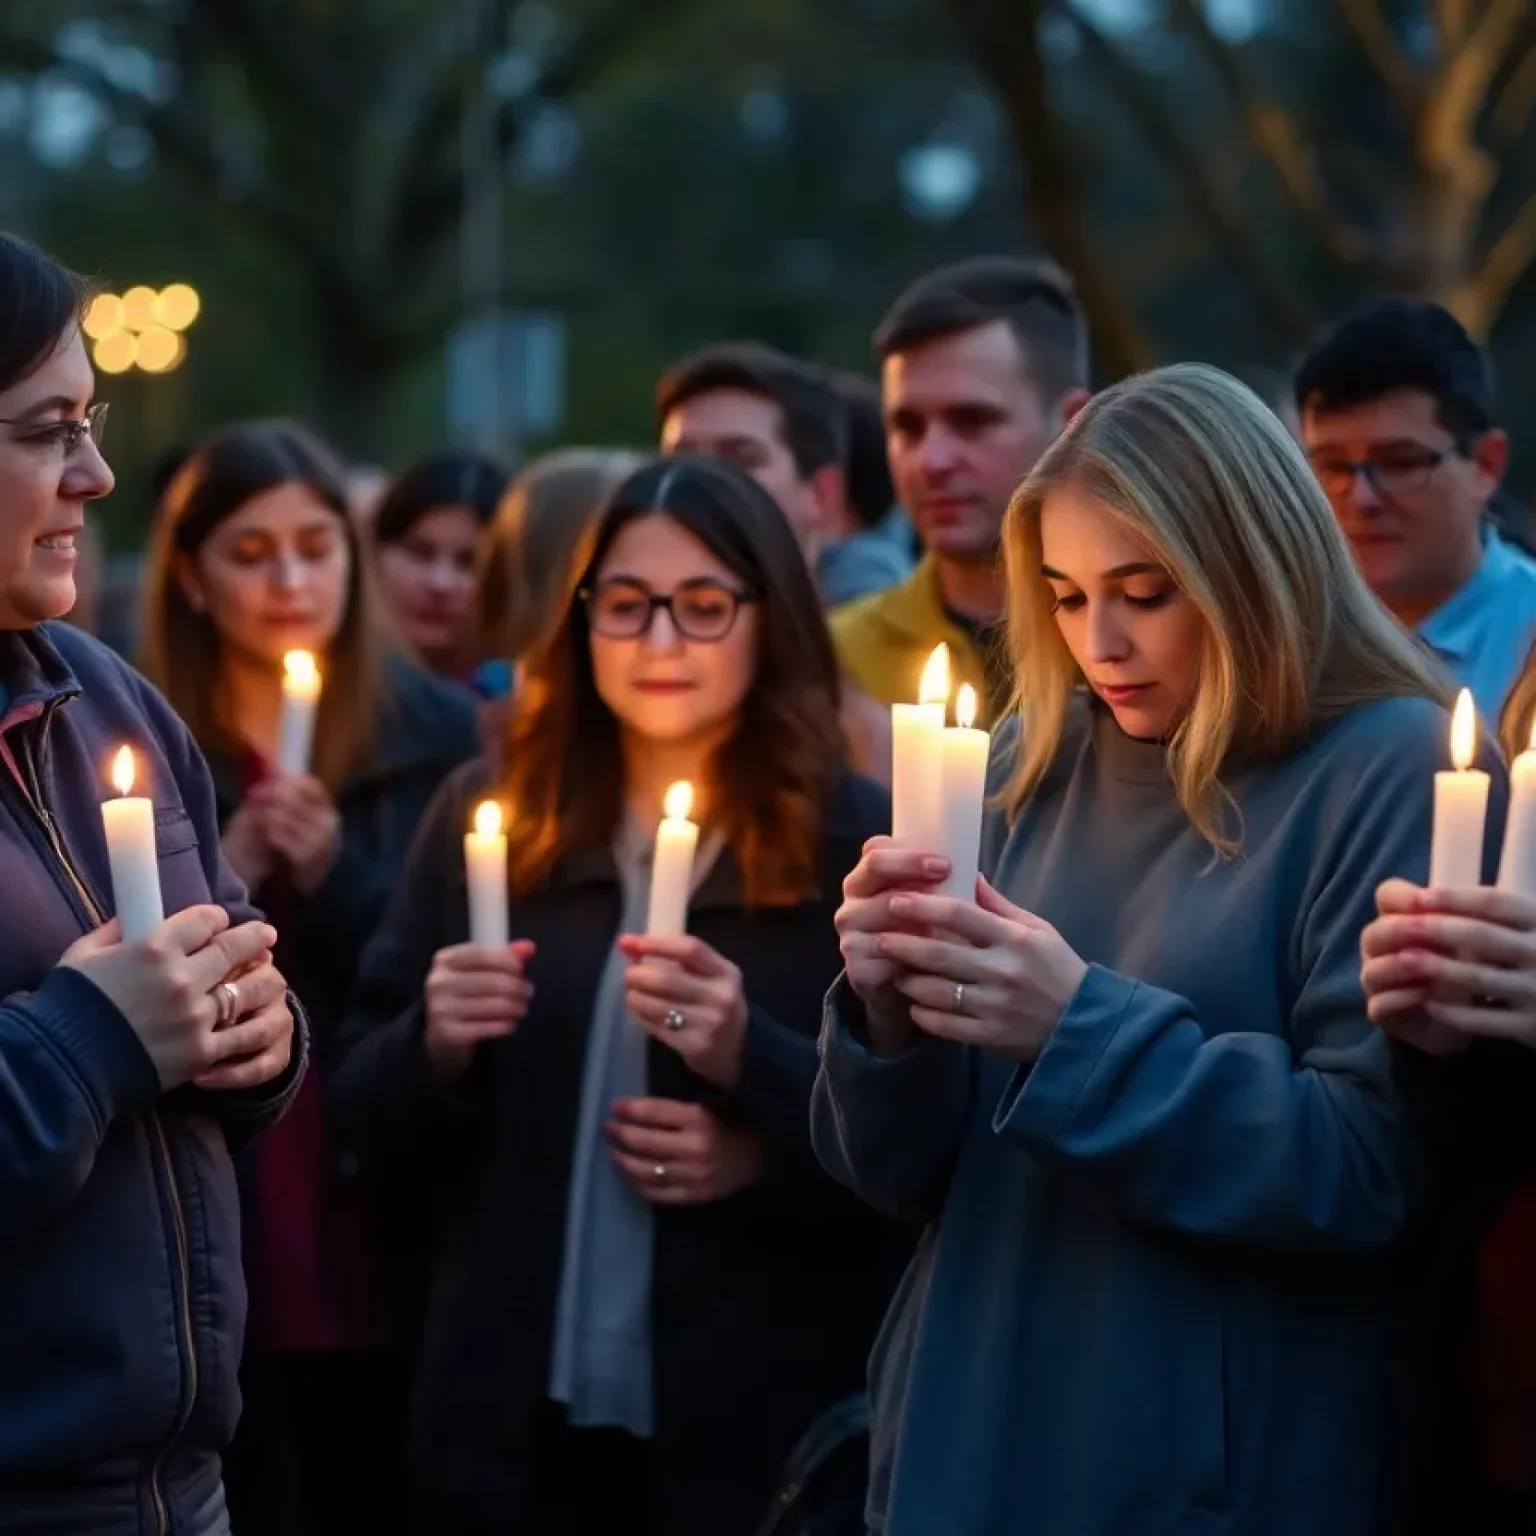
{"x": 983, "y": 363}
{"x": 774, "y": 417}
{"x": 1397, "y": 416}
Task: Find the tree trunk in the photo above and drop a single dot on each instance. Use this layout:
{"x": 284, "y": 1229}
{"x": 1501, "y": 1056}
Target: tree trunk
{"x": 1006, "y": 45}
{"x": 356, "y": 386}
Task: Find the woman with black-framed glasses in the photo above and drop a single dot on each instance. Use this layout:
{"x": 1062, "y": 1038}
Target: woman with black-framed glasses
{"x": 645, "y": 1291}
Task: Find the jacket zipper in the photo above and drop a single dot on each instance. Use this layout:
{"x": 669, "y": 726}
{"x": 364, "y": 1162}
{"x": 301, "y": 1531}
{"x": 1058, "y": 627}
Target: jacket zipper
{"x": 33, "y": 795}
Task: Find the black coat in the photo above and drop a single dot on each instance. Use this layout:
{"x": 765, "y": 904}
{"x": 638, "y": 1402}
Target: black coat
{"x": 427, "y": 729}
{"x": 764, "y": 1305}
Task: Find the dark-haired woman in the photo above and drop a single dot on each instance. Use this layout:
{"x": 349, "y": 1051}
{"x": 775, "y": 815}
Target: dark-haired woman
{"x": 429, "y": 533}
{"x": 645, "y": 1291}
{"x": 255, "y": 556}
{"x": 120, "y": 1095}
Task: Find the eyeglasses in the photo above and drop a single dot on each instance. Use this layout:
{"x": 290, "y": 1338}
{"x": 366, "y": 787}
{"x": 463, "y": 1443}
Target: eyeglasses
{"x": 1402, "y": 473}
{"x": 65, "y": 435}
{"x": 702, "y": 609}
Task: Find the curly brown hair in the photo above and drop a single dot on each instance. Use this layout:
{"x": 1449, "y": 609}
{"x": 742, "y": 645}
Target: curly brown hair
{"x": 771, "y": 780}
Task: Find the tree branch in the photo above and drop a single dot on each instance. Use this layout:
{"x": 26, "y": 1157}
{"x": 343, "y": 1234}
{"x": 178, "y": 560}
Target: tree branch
{"x": 1517, "y": 100}
{"x": 181, "y": 143}
{"x": 1373, "y": 32}
{"x": 1273, "y": 135}
{"x": 1282, "y": 306}
{"x": 431, "y": 198}
{"x": 1004, "y": 41}
{"x": 1459, "y": 87}
{"x": 1508, "y": 258}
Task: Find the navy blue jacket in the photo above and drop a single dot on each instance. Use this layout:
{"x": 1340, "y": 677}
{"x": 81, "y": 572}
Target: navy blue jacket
{"x": 120, "y": 1276}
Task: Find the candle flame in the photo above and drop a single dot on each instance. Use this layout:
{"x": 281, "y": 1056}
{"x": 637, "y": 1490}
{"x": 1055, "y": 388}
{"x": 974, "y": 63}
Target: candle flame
{"x": 965, "y": 707}
{"x": 678, "y": 801}
{"x": 934, "y": 685}
{"x": 122, "y": 771}
{"x": 488, "y": 819}
{"x": 1464, "y": 731}
{"x": 299, "y": 667}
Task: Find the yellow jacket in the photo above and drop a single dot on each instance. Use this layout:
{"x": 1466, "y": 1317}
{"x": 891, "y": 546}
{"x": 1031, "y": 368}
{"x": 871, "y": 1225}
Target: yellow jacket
{"x": 883, "y": 640}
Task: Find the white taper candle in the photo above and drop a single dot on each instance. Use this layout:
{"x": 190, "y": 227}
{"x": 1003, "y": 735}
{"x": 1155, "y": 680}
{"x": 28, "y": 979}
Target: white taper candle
{"x": 485, "y": 870}
{"x": 916, "y": 791}
{"x": 963, "y": 789}
{"x": 301, "y": 700}
{"x": 677, "y": 840}
{"x": 1461, "y": 807}
{"x": 1517, "y": 864}
{"x": 130, "y": 825}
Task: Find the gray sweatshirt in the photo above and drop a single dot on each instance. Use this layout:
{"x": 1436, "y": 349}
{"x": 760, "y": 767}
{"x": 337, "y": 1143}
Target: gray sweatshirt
{"x": 1161, "y": 1288}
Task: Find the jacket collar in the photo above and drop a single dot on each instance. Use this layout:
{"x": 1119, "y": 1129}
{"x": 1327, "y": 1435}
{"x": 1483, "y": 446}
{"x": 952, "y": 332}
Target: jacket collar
{"x": 33, "y": 674}
{"x": 915, "y": 611}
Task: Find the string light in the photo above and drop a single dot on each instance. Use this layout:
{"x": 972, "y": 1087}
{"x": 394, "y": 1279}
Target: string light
{"x": 141, "y": 328}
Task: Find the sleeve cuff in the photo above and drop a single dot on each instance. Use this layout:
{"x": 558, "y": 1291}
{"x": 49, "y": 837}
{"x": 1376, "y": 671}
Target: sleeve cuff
{"x": 99, "y": 1043}
{"x": 850, "y": 1064}
{"x": 1040, "y": 1097}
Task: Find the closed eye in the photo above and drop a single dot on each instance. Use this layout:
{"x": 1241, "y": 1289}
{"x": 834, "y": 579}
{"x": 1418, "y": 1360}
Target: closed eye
{"x": 1068, "y": 602}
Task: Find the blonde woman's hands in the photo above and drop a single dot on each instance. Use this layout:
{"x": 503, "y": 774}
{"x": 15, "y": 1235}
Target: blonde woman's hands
{"x": 989, "y": 974}
{"x": 884, "y": 873}
{"x": 690, "y": 998}
{"x": 473, "y": 993}
{"x": 1442, "y": 968}
{"x": 680, "y": 1154}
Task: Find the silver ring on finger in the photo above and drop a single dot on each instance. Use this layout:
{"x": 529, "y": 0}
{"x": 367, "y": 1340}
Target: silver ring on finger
{"x": 957, "y": 998}
{"x": 674, "y": 1020}
{"x": 659, "y": 1172}
{"x": 227, "y": 996}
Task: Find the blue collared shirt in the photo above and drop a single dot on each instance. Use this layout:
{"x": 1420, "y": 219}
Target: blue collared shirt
{"x": 1484, "y": 631}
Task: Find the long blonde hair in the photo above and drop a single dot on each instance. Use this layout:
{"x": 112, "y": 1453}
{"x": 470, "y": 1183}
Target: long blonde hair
{"x": 1199, "y": 468}
{"x": 1518, "y": 717}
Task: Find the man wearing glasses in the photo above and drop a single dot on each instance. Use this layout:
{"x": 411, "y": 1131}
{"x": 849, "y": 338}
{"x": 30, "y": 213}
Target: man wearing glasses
{"x": 1397, "y": 417}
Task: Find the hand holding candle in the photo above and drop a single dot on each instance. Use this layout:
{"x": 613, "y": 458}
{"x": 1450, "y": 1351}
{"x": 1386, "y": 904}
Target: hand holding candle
{"x": 915, "y": 758}
{"x": 962, "y": 790}
{"x": 677, "y": 840}
{"x": 301, "y": 700}
{"x": 1461, "y": 806}
{"x": 1517, "y": 867}
{"x": 485, "y": 867}
{"x": 131, "y": 852}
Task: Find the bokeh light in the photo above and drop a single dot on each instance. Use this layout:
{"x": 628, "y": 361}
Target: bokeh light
{"x": 160, "y": 350}
{"x": 139, "y": 308}
{"x": 177, "y": 306}
{"x": 116, "y": 353}
{"x": 104, "y": 317}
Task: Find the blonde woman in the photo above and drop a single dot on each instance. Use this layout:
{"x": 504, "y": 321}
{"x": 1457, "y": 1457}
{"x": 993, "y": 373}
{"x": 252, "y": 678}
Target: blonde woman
{"x": 1132, "y": 1089}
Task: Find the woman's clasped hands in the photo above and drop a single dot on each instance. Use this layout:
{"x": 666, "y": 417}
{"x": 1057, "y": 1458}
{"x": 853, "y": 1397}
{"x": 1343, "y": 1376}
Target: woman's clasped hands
{"x": 988, "y": 974}
{"x": 289, "y": 822}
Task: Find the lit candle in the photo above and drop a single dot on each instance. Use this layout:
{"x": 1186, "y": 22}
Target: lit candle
{"x": 301, "y": 697}
{"x": 963, "y": 788}
{"x": 1461, "y": 804}
{"x": 1517, "y": 866}
{"x": 916, "y": 792}
{"x": 485, "y": 869}
{"x": 130, "y": 824}
{"x": 677, "y": 840}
